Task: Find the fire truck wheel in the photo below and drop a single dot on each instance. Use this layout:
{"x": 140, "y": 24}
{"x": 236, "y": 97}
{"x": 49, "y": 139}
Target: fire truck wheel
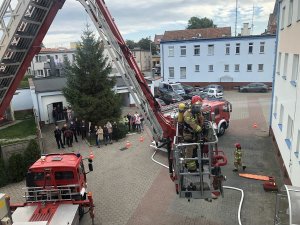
{"x": 222, "y": 130}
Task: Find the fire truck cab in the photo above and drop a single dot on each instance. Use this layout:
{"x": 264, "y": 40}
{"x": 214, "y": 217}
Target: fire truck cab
{"x": 221, "y": 110}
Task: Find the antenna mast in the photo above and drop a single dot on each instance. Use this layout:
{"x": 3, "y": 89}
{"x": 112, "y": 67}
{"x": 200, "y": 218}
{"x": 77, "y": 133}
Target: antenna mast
{"x": 236, "y": 3}
{"x": 252, "y": 25}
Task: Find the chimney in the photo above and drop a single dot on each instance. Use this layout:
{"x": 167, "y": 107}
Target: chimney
{"x": 245, "y": 31}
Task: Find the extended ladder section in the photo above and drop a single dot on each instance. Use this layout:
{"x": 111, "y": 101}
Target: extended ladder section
{"x": 204, "y": 179}
{"x": 113, "y": 46}
{"x": 23, "y": 28}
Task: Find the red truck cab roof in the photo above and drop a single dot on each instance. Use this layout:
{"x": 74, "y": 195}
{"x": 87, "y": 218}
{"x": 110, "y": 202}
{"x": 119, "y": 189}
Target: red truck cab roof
{"x": 57, "y": 160}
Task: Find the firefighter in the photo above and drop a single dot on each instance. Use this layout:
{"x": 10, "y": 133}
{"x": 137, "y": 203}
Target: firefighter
{"x": 57, "y": 135}
{"x": 193, "y": 123}
{"x": 238, "y": 157}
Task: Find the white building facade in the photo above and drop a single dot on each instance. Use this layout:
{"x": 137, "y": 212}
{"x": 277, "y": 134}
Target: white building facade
{"x": 229, "y": 61}
{"x": 49, "y": 62}
{"x": 285, "y": 119}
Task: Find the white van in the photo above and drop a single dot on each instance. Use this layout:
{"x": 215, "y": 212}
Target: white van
{"x": 168, "y": 87}
{"x": 214, "y": 93}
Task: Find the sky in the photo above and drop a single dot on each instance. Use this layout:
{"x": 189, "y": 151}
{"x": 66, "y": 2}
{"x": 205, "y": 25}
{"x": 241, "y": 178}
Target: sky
{"x": 138, "y": 19}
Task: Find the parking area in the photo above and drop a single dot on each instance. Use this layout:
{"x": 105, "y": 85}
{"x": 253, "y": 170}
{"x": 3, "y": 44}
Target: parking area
{"x": 130, "y": 189}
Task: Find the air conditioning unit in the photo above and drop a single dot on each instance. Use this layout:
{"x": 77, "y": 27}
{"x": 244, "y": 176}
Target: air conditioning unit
{"x": 6, "y": 221}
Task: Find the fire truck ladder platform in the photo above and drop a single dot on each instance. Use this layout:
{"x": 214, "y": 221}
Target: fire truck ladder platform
{"x": 196, "y": 184}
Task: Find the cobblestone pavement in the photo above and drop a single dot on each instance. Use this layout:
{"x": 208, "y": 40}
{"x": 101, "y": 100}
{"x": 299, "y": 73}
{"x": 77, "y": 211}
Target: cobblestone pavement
{"x": 129, "y": 189}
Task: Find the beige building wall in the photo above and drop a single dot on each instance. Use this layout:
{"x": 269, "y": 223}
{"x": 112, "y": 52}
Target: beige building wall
{"x": 143, "y": 59}
{"x": 286, "y": 98}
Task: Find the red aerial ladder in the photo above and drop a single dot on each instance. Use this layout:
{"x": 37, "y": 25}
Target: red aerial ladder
{"x": 22, "y": 38}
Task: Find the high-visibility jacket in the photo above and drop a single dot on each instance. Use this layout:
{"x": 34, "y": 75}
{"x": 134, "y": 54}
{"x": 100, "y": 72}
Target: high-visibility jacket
{"x": 237, "y": 154}
{"x": 192, "y": 121}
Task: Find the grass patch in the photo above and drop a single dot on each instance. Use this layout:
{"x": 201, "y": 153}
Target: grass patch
{"x": 19, "y": 130}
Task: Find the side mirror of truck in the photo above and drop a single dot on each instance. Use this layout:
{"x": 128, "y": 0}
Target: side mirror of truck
{"x": 91, "y": 168}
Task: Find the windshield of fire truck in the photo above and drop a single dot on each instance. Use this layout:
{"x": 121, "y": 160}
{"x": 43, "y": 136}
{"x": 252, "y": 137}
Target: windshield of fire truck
{"x": 59, "y": 175}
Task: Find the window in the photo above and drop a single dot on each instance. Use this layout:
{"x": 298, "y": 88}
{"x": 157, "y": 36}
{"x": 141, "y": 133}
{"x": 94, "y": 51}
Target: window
{"x": 182, "y": 72}
{"x": 295, "y": 70}
{"x": 289, "y": 132}
{"x": 197, "y": 68}
{"x": 275, "y": 106}
{"x": 282, "y": 18}
{"x": 171, "y": 72}
{"x": 250, "y": 50}
{"x": 279, "y": 63}
{"x": 227, "y": 49}
{"x": 236, "y": 67}
{"x": 171, "y": 51}
{"x": 262, "y": 47}
{"x": 38, "y": 58}
{"x": 249, "y": 67}
{"x": 210, "y": 49}
{"x": 281, "y": 116}
{"x": 290, "y": 18}
{"x": 210, "y": 68}
{"x": 237, "y": 48}
{"x": 64, "y": 175}
{"x": 260, "y": 67}
{"x": 182, "y": 50}
{"x": 286, "y": 59}
{"x": 196, "y": 49}
{"x": 226, "y": 68}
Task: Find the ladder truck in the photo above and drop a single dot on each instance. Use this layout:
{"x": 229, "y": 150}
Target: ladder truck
{"x": 21, "y": 40}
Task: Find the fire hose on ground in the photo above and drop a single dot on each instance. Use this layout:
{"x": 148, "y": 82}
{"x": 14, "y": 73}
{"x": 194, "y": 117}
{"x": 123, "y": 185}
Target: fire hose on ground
{"x": 226, "y": 187}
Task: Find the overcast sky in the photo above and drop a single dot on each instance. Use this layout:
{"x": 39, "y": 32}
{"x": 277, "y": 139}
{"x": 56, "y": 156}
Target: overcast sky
{"x": 137, "y": 19}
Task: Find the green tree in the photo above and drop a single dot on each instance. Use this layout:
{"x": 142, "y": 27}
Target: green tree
{"x": 144, "y": 44}
{"x": 197, "y": 23}
{"x": 3, "y": 173}
{"x": 89, "y": 88}
{"x": 31, "y": 153}
{"x": 131, "y": 44}
{"x": 16, "y": 168}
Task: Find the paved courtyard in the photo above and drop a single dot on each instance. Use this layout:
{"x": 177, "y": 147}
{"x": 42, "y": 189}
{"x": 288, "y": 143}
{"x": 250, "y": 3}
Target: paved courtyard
{"x": 130, "y": 189}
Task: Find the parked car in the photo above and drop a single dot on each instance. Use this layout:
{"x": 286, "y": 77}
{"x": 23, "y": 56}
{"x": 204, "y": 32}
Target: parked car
{"x": 254, "y": 87}
{"x": 215, "y": 86}
{"x": 171, "y": 97}
{"x": 165, "y": 87}
{"x": 214, "y": 93}
{"x": 160, "y": 102}
{"x": 187, "y": 88}
{"x": 200, "y": 93}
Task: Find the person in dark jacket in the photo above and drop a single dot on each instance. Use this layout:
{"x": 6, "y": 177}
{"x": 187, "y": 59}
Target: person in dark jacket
{"x": 65, "y": 113}
{"x": 129, "y": 120}
{"x": 63, "y": 129}
{"x": 73, "y": 129}
{"x": 83, "y": 129}
{"x": 69, "y": 137}
{"x": 77, "y": 125}
{"x": 115, "y": 131}
{"x": 57, "y": 135}
{"x": 105, "y": 135}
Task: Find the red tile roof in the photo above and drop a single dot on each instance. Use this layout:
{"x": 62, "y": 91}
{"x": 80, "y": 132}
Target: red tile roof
{"x": 197, "y": 33}
{"x": 54, "y": 50}
{"x": 157, "y": 38}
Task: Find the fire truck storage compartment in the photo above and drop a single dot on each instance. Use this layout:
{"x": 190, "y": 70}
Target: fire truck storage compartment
{"x": 64, "y": 214}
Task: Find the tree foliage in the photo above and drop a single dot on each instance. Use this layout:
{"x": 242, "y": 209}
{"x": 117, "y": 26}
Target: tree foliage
{"x": 16, "y": 168}
{"x": 89, "y": 88}
{"x": 31, "y": 153}
{"x": 143, "y": 43}
{"x": 197, "y": 23}
{"x": 3, "y": 173}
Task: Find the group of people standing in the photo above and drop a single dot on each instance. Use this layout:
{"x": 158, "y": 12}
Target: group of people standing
{"x": 74, "y": 128}
{"x": 60, "y": 113}
{"x": 135, "y": 122}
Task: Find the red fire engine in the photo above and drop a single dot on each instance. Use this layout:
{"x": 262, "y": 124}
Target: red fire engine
{"x": 22, "y": 38}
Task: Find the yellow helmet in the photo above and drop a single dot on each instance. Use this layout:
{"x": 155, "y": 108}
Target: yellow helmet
{"x": 181, "y": 106}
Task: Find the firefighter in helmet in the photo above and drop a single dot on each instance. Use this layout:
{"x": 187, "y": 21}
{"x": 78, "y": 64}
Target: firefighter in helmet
{"x": 193, "y": 123}
{"x": 238, "y": 157}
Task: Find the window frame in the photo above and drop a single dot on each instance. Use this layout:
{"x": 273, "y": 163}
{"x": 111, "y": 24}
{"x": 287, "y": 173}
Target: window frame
{"x": 262, "y": 46}
{"x": 227, "y": 47}
{"x": 171, "y": 50}
{"x": 250, "y": 46}
{"x": 183, "y": 50}
{"x": 236, "y": 70}
{"x": 290, "y": 15}
{"x": 238, "y": 48}
{"x": 170, "y": 69}
{"x": 197, "y": 70}
{"x": 182, "y": 76}
{"x": 196, "y": 48}
{"x": 262, "y": 69}
{"x": 210, "y": 49}
{"x": 295, "y": 68}
{"x": 212, "y": 68}
{"x": 282, "y": 25}
{"x": 226, "y": 69}
{"x": 249, "y": 70}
